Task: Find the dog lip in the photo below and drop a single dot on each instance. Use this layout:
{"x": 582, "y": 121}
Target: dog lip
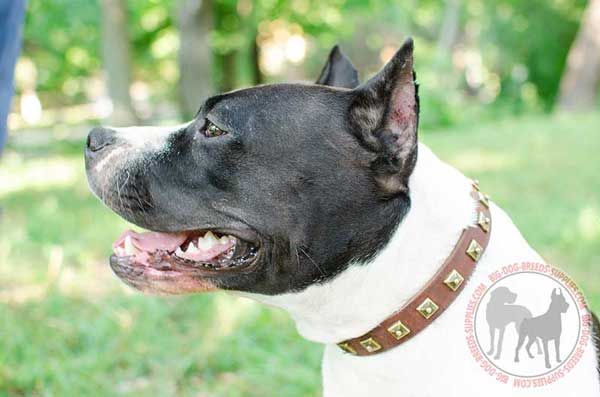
{"x": 159, "y": 281}
{"x": 129, "y": 269}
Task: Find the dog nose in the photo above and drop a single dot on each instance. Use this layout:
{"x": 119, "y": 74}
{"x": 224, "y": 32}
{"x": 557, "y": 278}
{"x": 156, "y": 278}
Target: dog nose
{"x": 99, "y": 138}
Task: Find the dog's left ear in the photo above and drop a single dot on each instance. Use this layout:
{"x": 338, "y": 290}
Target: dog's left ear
{"x": 384, "y": 115}
{"x": 338, "y": 71}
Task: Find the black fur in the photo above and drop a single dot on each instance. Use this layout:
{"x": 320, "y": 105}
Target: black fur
{"x": 596, "y": 338}
{"x": 338, "y": 71}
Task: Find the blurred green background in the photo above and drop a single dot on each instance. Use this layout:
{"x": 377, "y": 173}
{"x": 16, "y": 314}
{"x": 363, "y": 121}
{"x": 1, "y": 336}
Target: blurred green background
{"x": 509, "y": 94}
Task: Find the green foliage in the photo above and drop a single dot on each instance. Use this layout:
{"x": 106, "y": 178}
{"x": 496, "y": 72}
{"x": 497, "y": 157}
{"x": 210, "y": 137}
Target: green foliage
{"x": 536, "y": 34}
{"x": 70, "y": 328}
{"x": 508, "y": 58}
{"x": 63, "y": 39}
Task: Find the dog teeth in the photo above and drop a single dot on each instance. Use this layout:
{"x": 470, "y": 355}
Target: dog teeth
{"x": 129, "y": 247}
{"x": 203, "y": 244}
{"x": 210, "y": 237}
{"x": 208, "y": 241}
{"x": 191, "y": 249}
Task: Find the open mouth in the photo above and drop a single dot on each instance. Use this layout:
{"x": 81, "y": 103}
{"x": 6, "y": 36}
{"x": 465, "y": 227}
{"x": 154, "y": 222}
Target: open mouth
{"x": 206, "y": 250}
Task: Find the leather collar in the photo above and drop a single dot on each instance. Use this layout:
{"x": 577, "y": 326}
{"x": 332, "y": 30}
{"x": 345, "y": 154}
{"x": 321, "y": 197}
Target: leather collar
{"x": 437, "y": 295}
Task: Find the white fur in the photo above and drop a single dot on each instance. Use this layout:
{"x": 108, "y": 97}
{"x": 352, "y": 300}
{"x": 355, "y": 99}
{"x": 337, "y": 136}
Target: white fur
{"x": 135, "y": 144}
{"x": 109, "y": 158}
{"x": 437, "y": 361}
{"x": 150, "y": 138}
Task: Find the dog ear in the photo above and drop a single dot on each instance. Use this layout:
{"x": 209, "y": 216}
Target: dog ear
{"x": 557, "y": 291}
{"x": 385, "y": 115}
{"x": 338, "y": 71}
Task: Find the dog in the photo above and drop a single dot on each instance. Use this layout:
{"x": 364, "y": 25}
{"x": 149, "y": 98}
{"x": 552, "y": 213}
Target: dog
{"x": 500, "y": 313}
{"x": 546, "y": 327}
{"x": 318, "y": 199}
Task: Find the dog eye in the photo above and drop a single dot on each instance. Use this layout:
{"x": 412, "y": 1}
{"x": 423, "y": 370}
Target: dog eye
{"x": 212, "y": 131}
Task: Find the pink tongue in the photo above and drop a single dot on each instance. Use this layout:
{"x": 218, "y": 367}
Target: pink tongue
{"x": 153, "y": 241}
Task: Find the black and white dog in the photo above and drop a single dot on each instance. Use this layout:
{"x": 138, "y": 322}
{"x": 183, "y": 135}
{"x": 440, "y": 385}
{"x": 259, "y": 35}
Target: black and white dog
{"x": 318, "y": 199}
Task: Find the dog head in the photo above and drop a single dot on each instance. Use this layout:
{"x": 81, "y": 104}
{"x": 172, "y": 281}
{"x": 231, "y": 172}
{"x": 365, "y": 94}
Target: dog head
{"x": 558, "y": 301}
{"x": 503, "y": 295}
{"x": 269, "y": 189}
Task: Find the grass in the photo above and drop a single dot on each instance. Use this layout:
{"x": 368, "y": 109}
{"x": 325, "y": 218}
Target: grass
{"x": 69, "y": 328}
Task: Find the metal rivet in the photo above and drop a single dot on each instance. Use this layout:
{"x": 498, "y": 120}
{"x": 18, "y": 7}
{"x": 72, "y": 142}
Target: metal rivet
{"x": 454, "y": 280}
{"x": 484, "y": 199}
{"x": 474, "y": 250}
{"x": 398, "y": 330}
{"x": 483, "y": 221}
{"x": 370, "y": 345}
{"x": 428, "y": 308}
{"x": 345, "y": 346}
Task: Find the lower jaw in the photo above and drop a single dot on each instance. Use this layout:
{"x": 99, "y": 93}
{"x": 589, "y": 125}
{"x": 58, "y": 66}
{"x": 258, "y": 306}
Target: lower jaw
{"x": 166, "y": 274}
{"x": 160, "y": 282}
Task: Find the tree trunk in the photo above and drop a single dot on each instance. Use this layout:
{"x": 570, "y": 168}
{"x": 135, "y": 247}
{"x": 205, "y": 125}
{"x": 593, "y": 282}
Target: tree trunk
{"x": 195, "y": 54}
{"x": 449, "y": 29}
{"x": 579, "y": 83}
{"x": 227, "y": 63}
{"x": 117, "y": 62}
{"x": 257, "y": 75}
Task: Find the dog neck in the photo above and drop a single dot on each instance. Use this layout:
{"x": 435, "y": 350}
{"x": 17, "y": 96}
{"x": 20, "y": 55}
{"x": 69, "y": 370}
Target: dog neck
{"x": 364, "y": 294}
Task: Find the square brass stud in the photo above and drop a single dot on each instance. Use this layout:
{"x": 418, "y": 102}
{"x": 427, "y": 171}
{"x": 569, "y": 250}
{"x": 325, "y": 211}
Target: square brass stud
{"x": 427, "y": 308}
{"x": 474, "y": 250}
{"x": 345, "y": 346}
{"x": 484, "y": 199}
{"x": 475, "y": 184}
{"x": 483, "y": 222}
{"x": 454, "y": 280}
{"x": 370, "y": 345}
{"x": 398, "y": 330}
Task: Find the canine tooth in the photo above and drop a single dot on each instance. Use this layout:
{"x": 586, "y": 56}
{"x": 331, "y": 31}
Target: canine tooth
{"x": 210, "y": 237}
{"x": 179, "y": 252}
{"x": 129, "y": 248}
{"x": 225, "y": 239}
{"x": 191, "y": 249}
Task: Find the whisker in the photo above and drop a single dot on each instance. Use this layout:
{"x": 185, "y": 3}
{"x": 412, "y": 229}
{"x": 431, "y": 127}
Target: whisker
{"x": 311, "y": 259}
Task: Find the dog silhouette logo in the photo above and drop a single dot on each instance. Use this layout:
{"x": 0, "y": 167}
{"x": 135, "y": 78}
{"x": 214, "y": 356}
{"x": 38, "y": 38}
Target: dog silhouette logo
{"x": 546, "y": 327}
{"x": 520, "y": 306}
{"x": 500, "y": 313}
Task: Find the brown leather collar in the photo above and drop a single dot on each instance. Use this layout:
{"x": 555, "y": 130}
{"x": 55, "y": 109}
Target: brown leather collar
{"x": 437, "y": 294}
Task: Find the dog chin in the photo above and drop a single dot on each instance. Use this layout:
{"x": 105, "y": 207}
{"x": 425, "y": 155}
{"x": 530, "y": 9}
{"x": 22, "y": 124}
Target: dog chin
{"x": 158, "y": 280}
